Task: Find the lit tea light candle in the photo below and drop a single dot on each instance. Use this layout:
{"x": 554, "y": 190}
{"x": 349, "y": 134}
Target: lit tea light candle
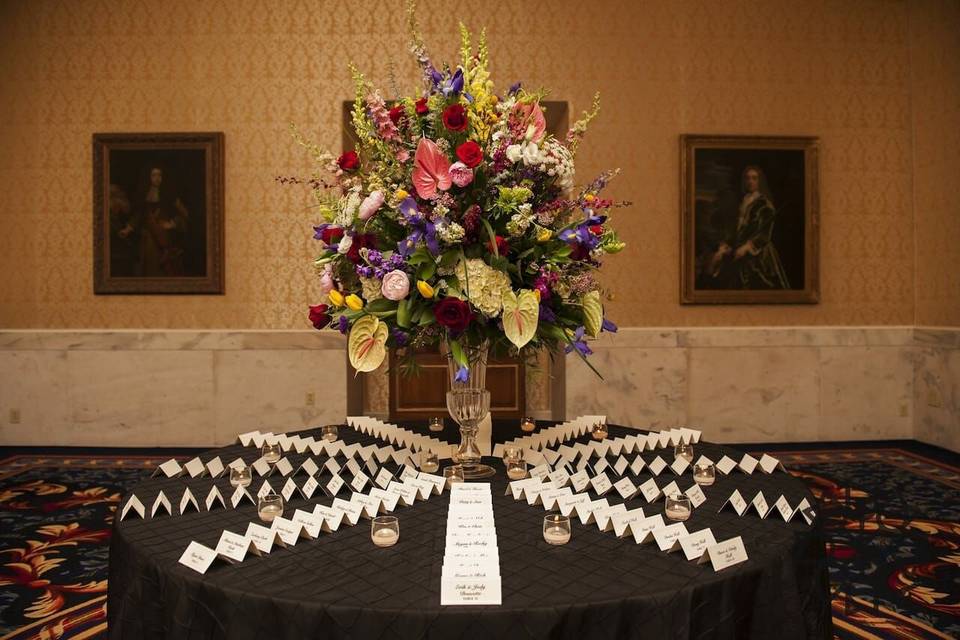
{"x": 385, "y": 537}
{"x": 556, "y": 535}
{"x": 516, "y": 472}
{"x": 704, "y": 474}
{"x": 270, "y": 511}
{"x": 678, "y": 507}
{"x": 436, "y": 424}
{"x": 599, "y": 431}
{"x": 527, "y": 425}
{"x": 329, "y": 433}
{"x": 429, "y": 466}
{"x": 684, "y": 451}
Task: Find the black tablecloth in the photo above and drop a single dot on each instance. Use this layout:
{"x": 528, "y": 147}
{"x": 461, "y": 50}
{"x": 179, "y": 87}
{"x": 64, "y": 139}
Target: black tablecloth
{"x": 597, "y": 586}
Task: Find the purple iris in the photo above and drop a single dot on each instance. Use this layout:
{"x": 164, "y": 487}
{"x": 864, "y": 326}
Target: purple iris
{"x": 608, "y": 326}
{"x": 581, "y": 234}
{"x": 579, "y": 343}
{"x": 462, "y": 375}
{"x": 400, "y": 338}
{"x": 343, "y": 325}
{"x": 421, "y": 229}
{"x": 515, "y": 88}
{"x": 547, "y": 314}
{"x": 449, "y": 84}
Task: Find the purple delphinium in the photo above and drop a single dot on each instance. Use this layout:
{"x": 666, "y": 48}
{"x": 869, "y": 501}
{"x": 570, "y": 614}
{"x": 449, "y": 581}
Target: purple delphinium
{"x": 608, "y": 326}
{"x": 400, "y": 338}
{"x": 365, "y": 271}
{"x": 374, "y": 257}
{"x": 343, "y": 325}
{"x": 462, "y": 375}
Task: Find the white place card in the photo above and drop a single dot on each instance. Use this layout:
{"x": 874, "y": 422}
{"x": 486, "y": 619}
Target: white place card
{"x": 620, "y": 466}
{"x": 215, "y": 467}
{"x": 671, "y": 489}
{"x": 748, "y": 463}
{"x": 696, "y": 495}
{"x": 470, "y": 591}
{"x": 309, "y": 467}
{"x": 600, "y": 465}
{"x": 601, "y": 484}
{"x": 637, "y": 465}
{"x": 406, "y": 493}
{"x": 213, "y": 497}
{"x": 237, "y": 464}
{"x": 540, "y": 471}
{"x": 239, "y": 495}
{"x": 407, "y": 472}
{"x": 725, "y": 554}
{"x": 667, "y": 538}
{"x": 312, "y": 523}
{"x": 353, "y": 467}
{"x": 234, "y": 547}
{"x": 262, "y": 467}
{"x": 657, "y": 466}
{"x": 388, "y": 501}
{"x": 198, "y": 557}
{"x": 736, "y": 502}
{"x": 332, "y": 518}
{"x": 439, "y": 482}
{"x": 246, "y": 439}
{"x": 807, "y": 511}
{"x": 623, "y": 521}
{"x": 616, "y": 447}
{"x": 759, "y": 503}
{"x": 664, "y": 439}
{"x": 134, "y": 504}
{"x": 289, "y": 488}
{"x": 515, "y": 488}
{"x": 161, "y": 503}
{"x": 332, "y": 466}
{"x": 783, "y": 508}
{"x": 579, "y": 480}
{"x": 643, "y": 531}
{"x": 549, "y": 497}
{"x": 679, "y": 466}
{"x": 263, "y": 537}
{"x": 284, "y": 467}
{"x": 265, "y": 489}
{"x": 169, "y": 469}
{"x": 559, "y": 477}
{"x": 603, "y": 514}
{"x": 585, "y": 512}
{"x": 334, "y": 486}
{"x": 769, "y": 464}
{"x": 384, "y": 478}
{"x": 290, "y": 532}
{"x": 187, "y": 500}
{"x": 649, "y": 490}
{"x": 696, "y": 544}
{"x": 726, "y": 465}
{"x": 625, "y": 488}
{"x": 573, "y": 503}
{"x": 704, "y": 460}
{"x": 359, "y": 481}
{"x": 195, "y": 468}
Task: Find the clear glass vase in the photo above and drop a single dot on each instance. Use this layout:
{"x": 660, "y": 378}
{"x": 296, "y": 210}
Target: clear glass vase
{"x": 468, "y": 402}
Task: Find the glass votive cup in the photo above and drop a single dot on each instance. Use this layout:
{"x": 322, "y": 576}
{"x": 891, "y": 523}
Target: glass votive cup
{"x": 435, "y": 424}
{"x": 429, "y": 461}
{"x": 385, "y": 531}
{"x": 240, "y": 477}
{"x": 599, "y": 431}
{"x": 678, "y": 507}
{"x": 453, "y": 474}
{"x": 556, "y": 529}
{"x": 269, "y": 507}
{"x": 329, "y": 433}
{"x": 527, "y": 424}
{"x": 516, "y": 468}
{"x": 270, "y": 452}
{"x": 512, "y": 453}
{"x": 684, "y": 450}
{"x": 704, "y": 473}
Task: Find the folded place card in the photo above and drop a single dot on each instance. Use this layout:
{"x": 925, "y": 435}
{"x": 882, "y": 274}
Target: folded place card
{"x": 352, "y": 511}
{"x": 407, "y": 494}
{"x": 696, "y": 495}
{"x": 602, "y": 515}
{"x": 725, "y": 554}
{"x": 262, "y": 467}
{"x": 311, "y": 522}
{"x": 424, "y": 488}
{"x": 234, "y": 547}
{"x": 643, "y": 530}
{"x": 290, "y": 531}
{"x": 407, "y": 472}
{"x": 657, "y": 466}
{"x": 516, "y": 487}
{"x": 215, "y": 467}
{"x": 559, "y": 477}
{"x": 532, "y": 492}
{"x": 769, "y": 464}
{"x": 736, "y": 502}
{"x": 783, "y": 508}
{"x": 704, "y": 460}
{"x": 759, "y": 503}
{"x": 726, "y": 465}
{"x": 667, "y": 538}
{"x": 649, "y": 490}
{"x": 265, "y": 489}
{"x": 246, "y": 439}
{"x": 573, "y": 503}
{"x": 331, "y": 517}
{"x": 624, "y": 520}
{"x": 653, "y": 441}
{"x": 625, "y": 488}
{"x": 284, "y": 467}
{"x": 388, "y": 501}
{"x": 198, "y": 557}
{"x": 601, "y": 465}
{"x": 263, "y": 537}
{"x": 664, "y": 439}
{"x": 585, "y": 512}
{"x": 134, "y": 504}
{"x": 620, "y": 466}
{"x": 239, "y": 495}
{"x": 289, "y": 488}
{"x": 161, "y": 503}
{"x": 169, "y": 469}
{"x": 616, "y": 446}
{"x": 383, "y": 478}
{"x": 806, "y": 510}
{"x": 541, "y": 471}
{"x": 238, "y": 464}
{"x": 679, "y": 466}
{"x": 601, "y": 484}
{"x": 309, "y": 467}
{"x": 213, "y": 498}
{"x": 359, "y": 481}
{"x": 748, "y": 463}
{"x": 579, "y": 480}
{"x": 334, "y": 486}
{"x": 353, "y": 467}
{"x": 671, "y": 489}
{"x": 637, "y": 465}
{"x": 439, "y": 482}
{"x": 549, "y": 498}
{"x": 696, "y": 544}
{"x": 188, "y": 501}
{"x": 195, "y": 468}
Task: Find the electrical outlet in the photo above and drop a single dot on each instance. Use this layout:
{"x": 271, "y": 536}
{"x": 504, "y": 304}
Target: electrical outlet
{"x": 14, "y": 416}
{"x": 311, "y": 399}
{"x": 933, "y": 398}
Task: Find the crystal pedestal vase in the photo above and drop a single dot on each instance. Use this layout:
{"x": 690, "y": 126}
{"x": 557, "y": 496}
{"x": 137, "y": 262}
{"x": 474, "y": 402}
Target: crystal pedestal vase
{"x": 468, "y": 402}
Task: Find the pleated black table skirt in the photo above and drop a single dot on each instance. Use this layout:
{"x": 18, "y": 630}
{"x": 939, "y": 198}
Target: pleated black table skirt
{"x": 597, "y": 586}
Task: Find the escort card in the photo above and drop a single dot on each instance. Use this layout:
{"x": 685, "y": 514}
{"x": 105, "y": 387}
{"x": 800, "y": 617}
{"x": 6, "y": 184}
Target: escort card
{"x": 603, "y": 515}
{"x": 664, "y": 439}
{"x": 234, "y": 547}
{"x": 623, "y": 521}
{"x": 649, "y": 490}
{"x": 238, "y": 464}
{"x": 198, "y": 557}
{"x": 265, "y": 489}
{"x": 384, "y": 478}
{"x": 334, "y": 485}
{"x": 388, "y": 501}
{"x": 262, "y": 467}
{"x": 290, "y": 532}
{"x": 695, "y": 544}
{"x": 725, "y": 554}
{"x": 637, "y": 465}
{"x": 289, "y": 488}
{"x": 600, "y": 465}
{"x": 187, "y": 501}
{"x": 424, "y": 488}
{"x": 748, "y": 463}
{"x": 309, "y": 467}
{"x": 516, "y": 487}
{"x": 620, "y": 466}
{"x": 696, "y": 495}
{"x": 135, "y": 504}
{"x": 239, "y": 495}
{"x": 549, "y": 497}
{"x": 653, "y": 441}
{"x": 215, "y": 467}
{"x": 331, "y": 517}
{"x": 541, "y": 471}
{"x": 769, "y": 464}
{"x": 657, "y": 466}
{"x": 735, "y": 501}
{"x": 667, "y": 537}
{"x": 161, "y": 503}
{"x": 616, "y": 446}
{"x": 311, "y": 523}
{"x": 559, "y": 477}
{"x": 704, "y": 460}
{"x": 263, "y": 537}
{"x": 353, "y": 467}
{"x": 586, "y": 512}
{"x": 806, "y": 510}
{"x": 407, "y": 472}
{"x": 352, "y": 511}
{"x": 625, "y": 488}
{"x": 573, "y": 503}
{"x": 359, "y": 481}
{"x": 246, "y": 439}
{"x": 726, "y": 465}
{"x": 579, "y": 480}
{"x": 406, "y": 493}
{"x": 439, "y": 482}
{"x": 169, "y": 469}
{"x": 284, "y": 467}
{"x": 601, "y": 484}
{"x": 213, "y": 498}
{"x": 759, "y": 503}
{"x": 195, "y": 468}
{"x": 783, "y": 508}
{"x": 671, "y": 489}
{"x": 679, "y": 466}
{"x": 643, "y": 530}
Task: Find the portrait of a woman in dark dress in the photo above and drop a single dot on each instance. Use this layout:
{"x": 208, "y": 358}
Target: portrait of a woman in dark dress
{"x": 163, "y": 221}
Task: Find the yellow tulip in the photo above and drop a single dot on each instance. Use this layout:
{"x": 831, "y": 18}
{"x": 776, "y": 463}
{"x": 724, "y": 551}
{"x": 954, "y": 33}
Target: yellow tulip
{"x": 425, "y": 289}
{"x": 354, "y": 302}
{"x": 336, "y": 298}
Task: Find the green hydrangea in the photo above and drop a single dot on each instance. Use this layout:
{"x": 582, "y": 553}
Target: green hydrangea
{"x": 483, "y": 286}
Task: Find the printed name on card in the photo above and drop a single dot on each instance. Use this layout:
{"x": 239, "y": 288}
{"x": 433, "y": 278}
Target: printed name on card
{"x": 657, "y": 466}
{"x": 726, "y": 465}
{"x": 725, "y": 554}
{"x": 696, "y": 495}
{"x": 263, "y": 537}
{"x": 769, "y": 464}
{"x": 649, "y": 490}
{"x": 213, "y": 498}
{"x": 696, "y": 544}
{"x": 735, "y": 502}
{"x": 215, "y": 467}
{"x": 643, "y": 530}
{"x": 239, "y": 495}
{"x": 234, "y": 547}
{"x": 198, "y": 557}
{"x": 195, "y": 468}
{"x": 667, "y": 538}
{"x": 748, "y": 463}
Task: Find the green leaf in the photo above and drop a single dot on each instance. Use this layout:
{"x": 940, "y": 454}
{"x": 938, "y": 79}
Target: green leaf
{"x": 380, "y": 305}
{"x": 491, "y": 235}
{"x": 426, "y": 271}
{"x": 403, "y": 313}
{"x": 592, "y": 313}
{"x": 458, "y": 355}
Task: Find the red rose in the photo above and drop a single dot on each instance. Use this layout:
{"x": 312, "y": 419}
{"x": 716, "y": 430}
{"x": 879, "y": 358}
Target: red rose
{"x": 454, "y": 314}
{"x": 470, "y": 153}
{"x": 502, "y": 246}
{"x": 319, "y": 316}
{"x": 597, "y": 229}
{"x": 331, "y": 235}
{"x": 455, "y": 117}
{"x": 421, "y": 106}
{"x": 397, "y": 114}
{"x": 349, "y": 161}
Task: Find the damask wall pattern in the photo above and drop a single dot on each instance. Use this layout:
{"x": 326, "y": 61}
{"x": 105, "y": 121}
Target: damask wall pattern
{"x": 839, "y": 70}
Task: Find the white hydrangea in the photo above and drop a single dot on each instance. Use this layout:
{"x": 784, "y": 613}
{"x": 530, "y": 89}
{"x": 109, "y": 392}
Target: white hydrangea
{"x": 483, "y": 286}
{"x": 519, "y": 222}
{"x": 450, "y": 232}
{"x": 371, "y": 289}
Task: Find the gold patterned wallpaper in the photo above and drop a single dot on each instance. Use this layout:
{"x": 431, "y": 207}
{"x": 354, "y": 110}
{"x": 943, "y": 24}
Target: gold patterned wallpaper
{"x": 837, "y": 69}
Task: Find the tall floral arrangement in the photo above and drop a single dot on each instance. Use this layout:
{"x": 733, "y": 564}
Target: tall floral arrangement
{"x": 456, "y": 220}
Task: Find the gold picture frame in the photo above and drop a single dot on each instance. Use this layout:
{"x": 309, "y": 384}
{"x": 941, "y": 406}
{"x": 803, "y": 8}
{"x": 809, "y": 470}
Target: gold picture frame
{"x": 749, "y": 220}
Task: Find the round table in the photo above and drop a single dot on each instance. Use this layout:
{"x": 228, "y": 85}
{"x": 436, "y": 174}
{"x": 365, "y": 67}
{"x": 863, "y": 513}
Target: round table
{"x": 597, "y": 586}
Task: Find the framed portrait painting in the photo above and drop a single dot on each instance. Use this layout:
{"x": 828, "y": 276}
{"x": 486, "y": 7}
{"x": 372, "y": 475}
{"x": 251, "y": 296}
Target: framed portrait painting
{"x": 158, "y": 213}
{"x": 749, "y": 220}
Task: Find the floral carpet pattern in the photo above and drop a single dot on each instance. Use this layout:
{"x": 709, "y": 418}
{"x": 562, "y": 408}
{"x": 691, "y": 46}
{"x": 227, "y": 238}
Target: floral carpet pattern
{"x": 891, "y": 515}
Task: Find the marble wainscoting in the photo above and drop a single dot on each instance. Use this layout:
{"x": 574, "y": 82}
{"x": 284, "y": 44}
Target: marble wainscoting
{"x": 759, "y": 385}
{"x": 165, "y": 388}
{"x": 937, "y": 386}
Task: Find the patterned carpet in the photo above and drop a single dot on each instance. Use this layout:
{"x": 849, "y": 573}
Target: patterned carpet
{"x": 892, "y": 516}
